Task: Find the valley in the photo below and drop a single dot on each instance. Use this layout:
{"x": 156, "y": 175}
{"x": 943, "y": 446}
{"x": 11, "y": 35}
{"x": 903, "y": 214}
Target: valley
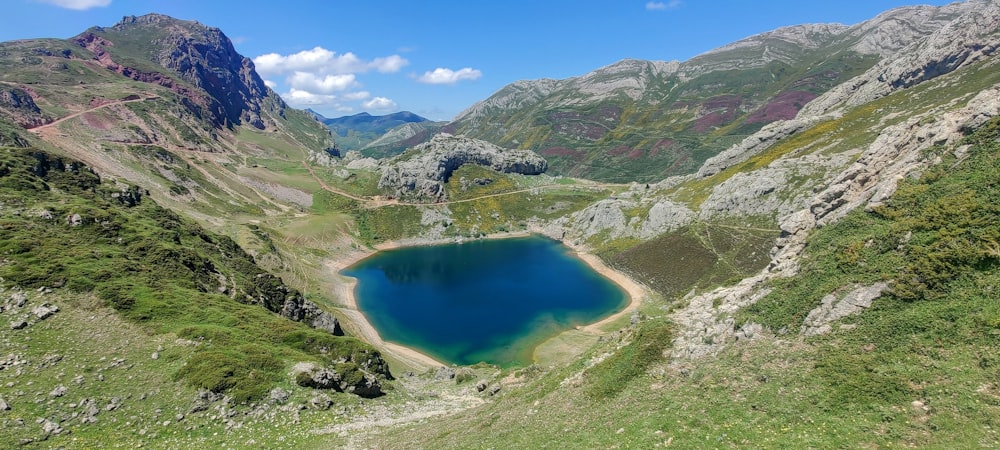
{"x": 804, "y": 220}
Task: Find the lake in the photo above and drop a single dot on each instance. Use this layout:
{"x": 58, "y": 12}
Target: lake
{"x": 488, "y": 301}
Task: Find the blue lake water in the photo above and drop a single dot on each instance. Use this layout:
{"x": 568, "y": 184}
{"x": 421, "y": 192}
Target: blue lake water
{"x": 482, "y": 301}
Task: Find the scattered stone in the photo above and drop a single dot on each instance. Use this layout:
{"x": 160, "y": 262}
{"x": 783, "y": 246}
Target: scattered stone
{"x": 279, "y": 396}
{"x": 481, "y": 386}
{"x": 321, "y": 402}
{"x": 50, "y": 427}
{"x": 59, "y": 391}
{"x": 4, "y": 406}
{"x": 44, "y": 311}
{"x": 494, "y": 389}
{"x": 18, "y": 324}
{"x": 114, "y": 404}
{"x": 18, "y": 299}
{"x": 155, "y": 355}
{"x": 444, "y": 373}
{"x": 464, "y": 374}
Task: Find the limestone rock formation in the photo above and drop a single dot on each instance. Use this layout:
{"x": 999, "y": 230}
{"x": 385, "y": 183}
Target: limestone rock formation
{"x": 969, "y": 38}
{"x": 422, "y": 173}
{"x": 833, "y": 308}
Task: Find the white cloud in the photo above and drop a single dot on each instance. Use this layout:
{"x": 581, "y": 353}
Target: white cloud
{"x": 389, "y": 64}
{"x": 270, "y": 84}
{"x": 663, "y": 6}
{"x": 355, "y": 96}
{"x": 323, "y": 79}
{"x": 78, "y": 5}
{"x": 443, "y": 75}
{"x": 321, "y": 61}
{"x": 329, "y": 84}
{"x": 380, "y": 104}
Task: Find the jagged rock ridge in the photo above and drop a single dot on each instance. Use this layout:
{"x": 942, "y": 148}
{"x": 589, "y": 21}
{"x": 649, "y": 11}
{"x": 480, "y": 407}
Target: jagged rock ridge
{"x": 423, "y": 176}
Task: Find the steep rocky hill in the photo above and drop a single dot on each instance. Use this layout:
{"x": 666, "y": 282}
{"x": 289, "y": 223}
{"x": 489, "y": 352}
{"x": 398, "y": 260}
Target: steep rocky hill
{"x": 645, "y": 120}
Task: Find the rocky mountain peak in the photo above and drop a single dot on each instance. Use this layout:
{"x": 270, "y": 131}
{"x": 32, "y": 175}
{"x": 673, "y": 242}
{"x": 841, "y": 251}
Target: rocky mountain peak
{"x": 202, "y": 56}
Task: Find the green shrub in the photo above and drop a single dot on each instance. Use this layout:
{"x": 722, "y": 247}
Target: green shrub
{"x": 609, "y": 377}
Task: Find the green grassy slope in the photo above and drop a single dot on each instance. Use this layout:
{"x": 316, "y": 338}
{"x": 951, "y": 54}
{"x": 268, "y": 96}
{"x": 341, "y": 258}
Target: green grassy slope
{"x": 106, "y": 247}
{"x": 918, "y": 369}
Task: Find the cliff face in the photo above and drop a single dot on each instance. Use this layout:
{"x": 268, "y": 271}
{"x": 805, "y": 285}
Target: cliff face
{"x": 200, "y": 56}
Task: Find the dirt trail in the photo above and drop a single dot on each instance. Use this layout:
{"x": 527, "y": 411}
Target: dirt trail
{"x": 40, "y": 128}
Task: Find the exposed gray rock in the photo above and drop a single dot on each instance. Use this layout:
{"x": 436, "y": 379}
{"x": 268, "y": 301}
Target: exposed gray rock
{"x": 664, "y": 216}
{"x": 50, "y": 427}
{"x": 752, "y": 145}
{"x": 18, "y": 299}
{"x": 59, "y": 391}
{"x": 706, "y": 324}
{"x": 608, "y": 216}
{"x": 4, "y": 406}
{"x": 969, "y": 38}
{"x": 44, "y": 311}
{"x": 279, "y": 396}
{"x": 309, "y": 375}
{"x": 74, "y": 220}
{"x": 298, "y": 309}
{"x": 444, "y": 373}
{"x": 18, "y": 324}
{"x": 779, "y": 189}
{"x": 422, "y": 172}
{"x": 605, "y": 215}
{"x": 833, "y": 308}
{"x": 321, "y": 402}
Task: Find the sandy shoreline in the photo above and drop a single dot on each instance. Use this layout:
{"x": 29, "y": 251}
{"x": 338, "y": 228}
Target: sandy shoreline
{"x": 418, "y": 360}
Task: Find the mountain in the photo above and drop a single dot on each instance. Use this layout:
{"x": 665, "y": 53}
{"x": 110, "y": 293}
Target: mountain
{"x": 644, "y": 120}
{"x": 827, "y": 279}
{"x": 358, "y": 131}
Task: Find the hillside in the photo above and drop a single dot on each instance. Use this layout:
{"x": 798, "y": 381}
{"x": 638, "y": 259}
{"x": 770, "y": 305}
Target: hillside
{"x": 823, "y": 278}
{"x": 646, "y": 120}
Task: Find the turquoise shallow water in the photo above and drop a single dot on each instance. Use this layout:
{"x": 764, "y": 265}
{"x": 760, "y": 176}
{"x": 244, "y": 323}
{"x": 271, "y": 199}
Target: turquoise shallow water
{"x": 482, "y": 301}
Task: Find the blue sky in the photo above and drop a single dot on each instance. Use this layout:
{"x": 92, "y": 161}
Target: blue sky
{"x": 436, "y": 58}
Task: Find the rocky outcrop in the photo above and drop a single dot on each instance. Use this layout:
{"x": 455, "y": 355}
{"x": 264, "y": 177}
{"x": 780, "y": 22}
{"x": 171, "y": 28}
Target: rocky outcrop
{"x": 833, "y": 308}
{"x": 969, "y": 38}
{"x": 422, "y": 173}
{"x": 752, "y": 145}
{"x": 609, "y": 217}
{"x": 201, "y": 56}
{"x": 357, "y": 382}
{"x": 17, "y": 106}
{"x": 707, "y": 324}
{"x": 777, "y": 190}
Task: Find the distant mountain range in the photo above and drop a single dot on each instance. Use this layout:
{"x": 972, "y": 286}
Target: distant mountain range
{"x": 358, "y": 131}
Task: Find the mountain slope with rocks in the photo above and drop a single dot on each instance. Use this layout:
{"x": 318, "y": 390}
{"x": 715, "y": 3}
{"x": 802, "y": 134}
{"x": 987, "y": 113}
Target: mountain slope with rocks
{"x": 820, "y": 278}
{"x": 646, "y": 120}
